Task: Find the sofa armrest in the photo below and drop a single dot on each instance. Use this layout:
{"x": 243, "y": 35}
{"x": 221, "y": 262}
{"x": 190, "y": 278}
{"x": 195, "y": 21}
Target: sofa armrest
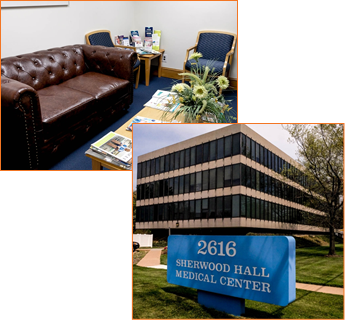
{"x": 21, "y": 126}
{"x": 110, "y": 61}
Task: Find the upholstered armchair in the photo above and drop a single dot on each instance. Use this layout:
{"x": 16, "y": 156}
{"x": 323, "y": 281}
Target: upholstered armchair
{"x": 103, "y": 38}
{"x": 217, "y": 48}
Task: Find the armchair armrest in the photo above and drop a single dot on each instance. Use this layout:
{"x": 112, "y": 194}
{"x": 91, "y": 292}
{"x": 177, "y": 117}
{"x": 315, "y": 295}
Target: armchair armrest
{"x": 187, "y": 55}
{"x": 110, "y": 61}
{"x": 21, "y": 125}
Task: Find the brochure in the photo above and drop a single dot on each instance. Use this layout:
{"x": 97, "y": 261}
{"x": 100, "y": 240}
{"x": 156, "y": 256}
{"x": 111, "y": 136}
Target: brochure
{"x": 125, "y": 41}
{"x": 161, "y": 99}
{"x": 148, "y": 31}
{"x": 148, "y": 44}
{"x": 115, "y": 145}
{"x": 139, "y": 119}
{"x": 156, "y": 40}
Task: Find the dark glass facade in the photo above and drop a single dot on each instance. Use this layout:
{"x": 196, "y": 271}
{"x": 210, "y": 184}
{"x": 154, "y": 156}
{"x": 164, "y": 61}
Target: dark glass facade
{"x": 231, "y": 206}
{"x": 237, "y": 174}
{"x": 228, "y": 146}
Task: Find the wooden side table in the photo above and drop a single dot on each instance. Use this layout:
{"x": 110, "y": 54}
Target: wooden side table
{"x": 147, "y": 58}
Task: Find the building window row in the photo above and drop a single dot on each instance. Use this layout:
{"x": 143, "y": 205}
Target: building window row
{"x": 224, "y": 207}
{"x": 221, "y": 148}
{"x": 221, "y": 177}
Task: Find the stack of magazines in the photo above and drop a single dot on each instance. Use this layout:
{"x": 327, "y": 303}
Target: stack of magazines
{"x": 116, "y": 149}
{"x": 161, "y": 99}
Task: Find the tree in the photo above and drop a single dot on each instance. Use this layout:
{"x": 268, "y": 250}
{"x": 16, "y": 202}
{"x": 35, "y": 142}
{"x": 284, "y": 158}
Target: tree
{"x": 320, "y": 152}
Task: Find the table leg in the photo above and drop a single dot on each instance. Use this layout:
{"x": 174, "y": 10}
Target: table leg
{"x": 160, "y": 65}
{"x": 96, "y": 165}
{"x": 147, "y": 72}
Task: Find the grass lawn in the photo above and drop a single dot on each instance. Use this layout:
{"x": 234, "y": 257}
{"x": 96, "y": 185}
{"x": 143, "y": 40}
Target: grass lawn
{"x": 312, "y": 266}
{"x": 154, "y": 298}
{"x": 138, "y": 255}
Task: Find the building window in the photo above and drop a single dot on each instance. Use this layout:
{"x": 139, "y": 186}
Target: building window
{"x": 236, "y": 206}
{"x": 181, "y": 184}
{"x": 236, "y": 144}
{"x": 171, "y": 165}
{"x": 192, "y": 156}
{"x": 236, "y": 180}
{"x": 176, "y": 185}
{"x": 227, "y": 176}
{"x": 220, "y": 177}
{"x": 139, "y": 171}
{"x": 171, "y": 186}
{"x": 182, "y": 157}
{"x": 220, "y": 148}
{"x": 186, "y": 210}
{"x": 198, "y": 209}
{"x": 161, "y": 169}
{"x": 243, "y": 206}
{"x": 213, "y": 147}
{"x": 227, "y": 146}
{"x": 192, "y": 182}
{"x": 192, "y": 209}
{"x": 157, "y": 167}
{"x": 212, "y": 208}
{"x": 205, "y": 180}
{"x": 176, "y": 160}
{"x": 187, "y": 156}
{"x": 166, "y": 162}
{"x": 213, "y": 179}
{"x": 219, "y": 213}
{"x": 248, "y": 147}
{"x": 204, "y": 208}
{"x": 227, "y": 207}
{"x": 186, "y": 183}
{"x": 199, "y": 154}
{"x": 198, "y": 181}
{"x": 206, "y": 152}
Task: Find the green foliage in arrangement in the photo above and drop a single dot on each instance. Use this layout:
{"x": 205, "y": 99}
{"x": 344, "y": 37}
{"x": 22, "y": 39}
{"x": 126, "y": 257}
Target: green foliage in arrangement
{"x": 200, "y": 101}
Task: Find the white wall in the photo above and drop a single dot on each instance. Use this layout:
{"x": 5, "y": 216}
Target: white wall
{"x": 24, "y": 30}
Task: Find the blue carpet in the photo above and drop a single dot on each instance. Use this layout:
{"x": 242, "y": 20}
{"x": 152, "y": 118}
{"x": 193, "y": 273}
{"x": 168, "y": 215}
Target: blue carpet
{"x": 77, "y": 159}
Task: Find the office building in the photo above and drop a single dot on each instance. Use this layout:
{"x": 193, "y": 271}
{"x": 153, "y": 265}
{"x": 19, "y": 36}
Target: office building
{"x": 226, "y": 181}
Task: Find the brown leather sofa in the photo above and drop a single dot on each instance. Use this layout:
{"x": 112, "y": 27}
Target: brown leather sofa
{"x": 53, "y": 100}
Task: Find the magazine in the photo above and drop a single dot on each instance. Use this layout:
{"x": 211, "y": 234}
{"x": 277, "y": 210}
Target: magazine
{"x": 120, "y": 37}
{"x": 115, "y": 145}
{"x": 161, "y": 99}
{"x": 139, "y": 119}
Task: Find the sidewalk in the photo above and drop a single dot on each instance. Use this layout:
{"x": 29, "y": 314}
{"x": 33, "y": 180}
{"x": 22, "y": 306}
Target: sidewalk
{"x": 152, "y": 260}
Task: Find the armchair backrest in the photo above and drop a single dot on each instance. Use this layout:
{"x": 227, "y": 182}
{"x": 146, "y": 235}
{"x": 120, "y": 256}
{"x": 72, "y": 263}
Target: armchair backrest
{"x": 214, "y": 45}
{"x": 99, "y": 38}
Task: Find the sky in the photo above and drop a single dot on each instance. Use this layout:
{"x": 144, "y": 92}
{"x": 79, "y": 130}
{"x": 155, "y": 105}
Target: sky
{"x": 150, "y": 137}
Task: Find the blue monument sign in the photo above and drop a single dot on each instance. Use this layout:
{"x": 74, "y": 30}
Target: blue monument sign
{"x": 226, "y": 270}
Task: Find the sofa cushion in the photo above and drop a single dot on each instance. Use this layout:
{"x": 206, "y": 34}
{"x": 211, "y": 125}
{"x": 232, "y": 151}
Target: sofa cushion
{"x": 105, "y": 89}
{"x": 62, "y": 107}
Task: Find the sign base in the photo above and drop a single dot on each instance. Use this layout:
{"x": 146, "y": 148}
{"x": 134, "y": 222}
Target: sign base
{"x": 220, "y": 302}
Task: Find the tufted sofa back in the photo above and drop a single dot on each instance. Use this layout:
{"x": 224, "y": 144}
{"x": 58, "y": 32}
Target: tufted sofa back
{"x": 45, "y": 68}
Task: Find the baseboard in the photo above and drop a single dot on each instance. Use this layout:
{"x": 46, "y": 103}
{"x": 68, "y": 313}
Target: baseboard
{"x": 174, "y": 74}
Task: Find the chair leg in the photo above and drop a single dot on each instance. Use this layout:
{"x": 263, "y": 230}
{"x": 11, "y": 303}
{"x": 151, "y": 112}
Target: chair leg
{"x": 137, "y": 78}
